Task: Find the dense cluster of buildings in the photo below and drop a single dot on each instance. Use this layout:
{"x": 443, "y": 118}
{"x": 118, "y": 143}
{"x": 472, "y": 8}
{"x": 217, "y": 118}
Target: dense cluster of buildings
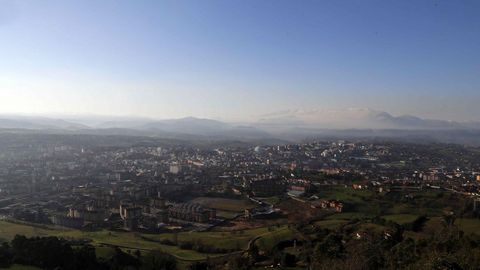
{"x": 139, "y": 186}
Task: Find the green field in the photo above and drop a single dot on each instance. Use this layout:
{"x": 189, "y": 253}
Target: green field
{"x": 401, "y": 208}
{"x": 225, "y": 240}
{"x": 468, "y": 225}
{"x": 272, "y": 200}
{"x": 103, "y": 239}
{"x": 398, "y": 206}
{"x": 345, "y": 194}
{"x": 401, "y": 218}
{"x": 370, "y": 227}
{"x": 331, "y": 224}
{"x": 232, "y": 205}
{"x": 270, "y": 238}
{"x": 349, "y": 216}
{"x": 9, "y": 230}
{"x": 226, "y": 208}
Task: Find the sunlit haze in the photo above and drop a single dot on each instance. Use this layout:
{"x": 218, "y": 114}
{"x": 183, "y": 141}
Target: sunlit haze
{"x": 239, "y": 60}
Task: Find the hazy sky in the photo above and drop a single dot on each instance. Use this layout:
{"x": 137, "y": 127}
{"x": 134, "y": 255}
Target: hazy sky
{"x": 230, "y": 59}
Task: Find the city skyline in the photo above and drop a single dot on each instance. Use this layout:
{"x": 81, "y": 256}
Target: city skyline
{"x": 238, "y": 60}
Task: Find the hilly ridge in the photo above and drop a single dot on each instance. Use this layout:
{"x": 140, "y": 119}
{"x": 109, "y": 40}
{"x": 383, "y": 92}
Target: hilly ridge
{"x": 286, "y": 125}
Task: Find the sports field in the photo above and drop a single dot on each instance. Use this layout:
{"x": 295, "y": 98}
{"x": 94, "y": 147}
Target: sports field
{"x": 232, "y": 205}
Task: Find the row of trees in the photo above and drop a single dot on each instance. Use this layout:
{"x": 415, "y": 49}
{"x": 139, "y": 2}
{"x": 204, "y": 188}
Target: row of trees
{"x": 55, "y": 253}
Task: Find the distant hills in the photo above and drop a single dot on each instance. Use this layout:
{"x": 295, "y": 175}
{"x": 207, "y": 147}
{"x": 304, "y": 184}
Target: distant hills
{"x": 183, "y": 128}
{"x": 355, "y": 118}
{"x": 26, "y": 122}
{"x": 287, "y": 125}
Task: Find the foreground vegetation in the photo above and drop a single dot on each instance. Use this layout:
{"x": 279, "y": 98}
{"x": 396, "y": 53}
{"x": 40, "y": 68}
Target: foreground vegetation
{"x": 56, "y": 253}
{"x": 424, "y": 229}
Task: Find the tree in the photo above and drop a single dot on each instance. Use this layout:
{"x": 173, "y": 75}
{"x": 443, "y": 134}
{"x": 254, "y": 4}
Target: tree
{"x": 402, "y": 254}
{"x": 199, "y": 266}
{"x": 330, "y": 247}
{"x": 253, "y": 253}
{"x": 288, "y": 260}
{"x": 6, "y": 255}
{"x": 238, "y": 263}
{"x": 448, "y": 220}
{"x": 85, "y": 258}
{"x": 158, "y": 260}
{"x": 122, "y": 260}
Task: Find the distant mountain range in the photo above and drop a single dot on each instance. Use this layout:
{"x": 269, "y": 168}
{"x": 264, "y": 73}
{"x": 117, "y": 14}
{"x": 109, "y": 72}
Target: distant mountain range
{"x": 286, "y": 125}
{"x": 357, "y": 119}
{"x": 183, "y": 128}
{"x": 26, "y": 122}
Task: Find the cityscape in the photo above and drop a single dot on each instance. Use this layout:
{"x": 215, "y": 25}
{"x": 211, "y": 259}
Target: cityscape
{"x": 239, "y": 135}
{"x": 214, "y": 201}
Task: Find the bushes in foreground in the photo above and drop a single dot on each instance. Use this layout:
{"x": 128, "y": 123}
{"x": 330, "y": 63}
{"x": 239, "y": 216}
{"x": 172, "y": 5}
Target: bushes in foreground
{"x": 56, "y": 253}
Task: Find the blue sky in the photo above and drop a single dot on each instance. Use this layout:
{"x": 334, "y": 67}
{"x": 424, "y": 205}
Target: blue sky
{"x": 239, "y": 59}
